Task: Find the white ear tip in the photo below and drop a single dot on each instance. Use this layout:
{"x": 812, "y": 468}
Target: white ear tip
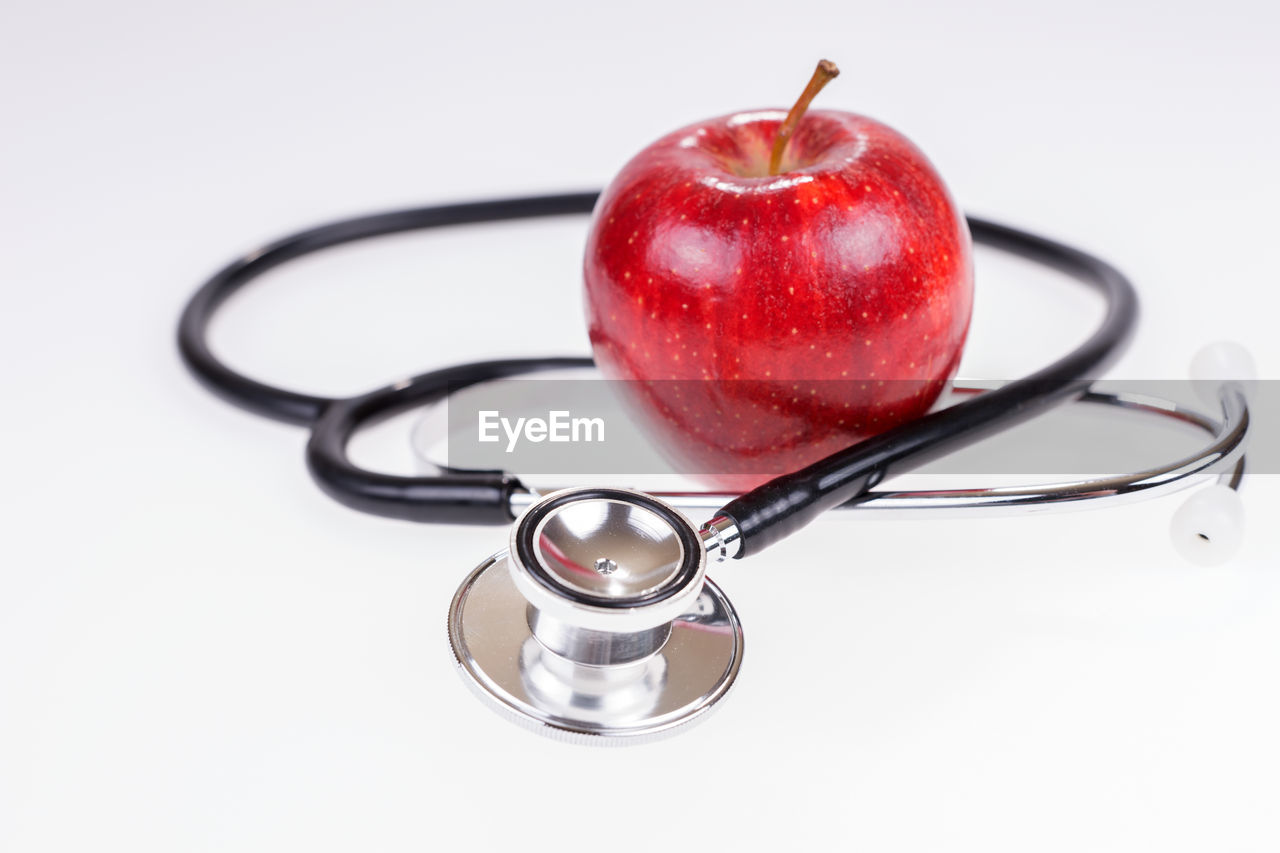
{"x": 1209, "y": 526}
{"x": 1219, "y": 362}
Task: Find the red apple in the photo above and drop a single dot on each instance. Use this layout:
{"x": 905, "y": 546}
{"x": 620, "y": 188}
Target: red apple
{"x": 800, "y": 308}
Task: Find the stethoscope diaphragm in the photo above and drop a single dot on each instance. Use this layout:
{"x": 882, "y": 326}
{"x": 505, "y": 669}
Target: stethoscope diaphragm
{"x": 598, "y": 624}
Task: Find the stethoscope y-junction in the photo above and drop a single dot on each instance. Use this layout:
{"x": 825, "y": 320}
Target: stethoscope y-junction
{"x": 597, "y": 621}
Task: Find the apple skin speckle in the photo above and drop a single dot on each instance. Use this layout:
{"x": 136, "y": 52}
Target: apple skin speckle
{"x": 854, "y": 258}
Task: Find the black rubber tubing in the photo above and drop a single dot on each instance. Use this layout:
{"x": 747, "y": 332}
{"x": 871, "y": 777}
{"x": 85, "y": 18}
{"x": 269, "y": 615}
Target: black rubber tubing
{"x": 764, "y": 515}
{"x": 452, "y": 497}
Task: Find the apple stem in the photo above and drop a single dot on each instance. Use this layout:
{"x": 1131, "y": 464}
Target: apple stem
{"x": 822, "y": 75}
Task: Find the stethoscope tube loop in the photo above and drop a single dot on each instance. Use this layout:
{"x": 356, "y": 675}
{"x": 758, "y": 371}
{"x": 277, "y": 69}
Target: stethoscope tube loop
{"x": 452, "y": 497}
{"x": 761, "y": 517}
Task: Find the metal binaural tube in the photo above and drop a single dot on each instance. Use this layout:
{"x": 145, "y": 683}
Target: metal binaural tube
{"x": 1221, "y": 460}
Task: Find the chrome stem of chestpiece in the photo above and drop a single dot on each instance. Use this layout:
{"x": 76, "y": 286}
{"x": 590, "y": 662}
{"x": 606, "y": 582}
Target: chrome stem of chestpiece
{"x": 598, "y": 623}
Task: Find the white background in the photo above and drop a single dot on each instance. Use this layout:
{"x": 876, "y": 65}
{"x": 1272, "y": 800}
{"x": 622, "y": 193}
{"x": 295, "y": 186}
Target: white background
{"x": 199, "y": 651}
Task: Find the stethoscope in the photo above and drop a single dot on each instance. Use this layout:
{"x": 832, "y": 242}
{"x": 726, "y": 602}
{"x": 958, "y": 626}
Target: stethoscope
{"x": 597, "y": 622}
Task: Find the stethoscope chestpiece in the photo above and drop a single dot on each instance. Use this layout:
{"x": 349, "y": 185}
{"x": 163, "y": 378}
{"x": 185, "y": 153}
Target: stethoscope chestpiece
{"x": 598, "y": 624}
